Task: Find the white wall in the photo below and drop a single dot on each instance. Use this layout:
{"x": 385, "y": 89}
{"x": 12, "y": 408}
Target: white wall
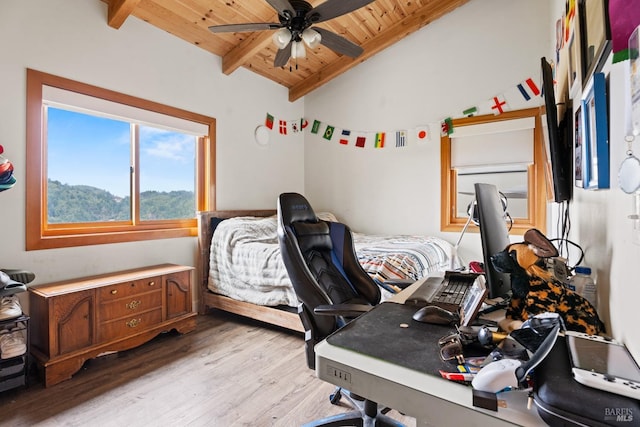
{"x": 600, "y": 225}
{"x": 71, "y": 38}
{"x": 478, "y": 51}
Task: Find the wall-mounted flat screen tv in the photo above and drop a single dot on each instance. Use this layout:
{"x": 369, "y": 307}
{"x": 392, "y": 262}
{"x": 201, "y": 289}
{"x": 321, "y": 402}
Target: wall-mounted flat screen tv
{"x": 557, "y": 140}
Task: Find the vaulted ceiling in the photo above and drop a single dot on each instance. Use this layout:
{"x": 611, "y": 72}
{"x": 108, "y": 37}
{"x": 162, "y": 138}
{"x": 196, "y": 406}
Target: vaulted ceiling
{"x": 373, "y": 27}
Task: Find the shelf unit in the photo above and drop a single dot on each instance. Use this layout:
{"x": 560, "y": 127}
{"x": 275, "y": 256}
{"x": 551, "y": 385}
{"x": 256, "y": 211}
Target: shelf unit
{"x": 14, "y": 371}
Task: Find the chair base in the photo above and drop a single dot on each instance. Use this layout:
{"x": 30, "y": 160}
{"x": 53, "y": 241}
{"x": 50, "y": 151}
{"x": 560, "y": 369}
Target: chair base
{"x": 366, "y": 414}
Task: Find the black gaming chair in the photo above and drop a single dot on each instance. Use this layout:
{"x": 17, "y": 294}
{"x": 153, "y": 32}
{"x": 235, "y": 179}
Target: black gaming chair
{"x": 331, "y": 286}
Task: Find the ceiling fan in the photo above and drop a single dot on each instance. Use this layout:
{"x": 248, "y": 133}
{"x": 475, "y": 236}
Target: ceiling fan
{"x": 295, "y": 27}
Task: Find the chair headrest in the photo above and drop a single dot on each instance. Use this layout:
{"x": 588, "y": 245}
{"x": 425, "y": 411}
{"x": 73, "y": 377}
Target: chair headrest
{"x": 312, "y": 235}
{"x": 294, "y": 207}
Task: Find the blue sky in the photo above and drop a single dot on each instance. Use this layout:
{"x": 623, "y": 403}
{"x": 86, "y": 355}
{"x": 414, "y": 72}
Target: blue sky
{"x": 90, "y": 150}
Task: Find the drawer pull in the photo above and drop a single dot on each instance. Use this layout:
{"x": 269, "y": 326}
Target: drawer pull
{"x": 114, "y": 291}
{"x": 133, "y": 323}
{"x": 152, "y": 283}
{"x": 133, "y": 304}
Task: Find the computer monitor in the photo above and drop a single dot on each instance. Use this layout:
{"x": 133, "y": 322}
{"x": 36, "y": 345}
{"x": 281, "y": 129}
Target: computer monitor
{"x": 494, "y": 236}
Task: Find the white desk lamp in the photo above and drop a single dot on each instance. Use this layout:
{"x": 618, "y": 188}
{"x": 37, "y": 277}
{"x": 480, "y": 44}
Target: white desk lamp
{"x": 471, "y": 211}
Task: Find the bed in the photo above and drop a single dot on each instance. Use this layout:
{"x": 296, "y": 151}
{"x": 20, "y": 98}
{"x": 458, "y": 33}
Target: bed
{"x": 241, "y": 270}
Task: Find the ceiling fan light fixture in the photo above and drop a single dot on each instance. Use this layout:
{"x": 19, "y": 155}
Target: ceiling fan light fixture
{"x": 281, "y": 38}
{"x": 297, "y": 50}
{"x": 296, "y": 18}
{"x": 311, "y": 37}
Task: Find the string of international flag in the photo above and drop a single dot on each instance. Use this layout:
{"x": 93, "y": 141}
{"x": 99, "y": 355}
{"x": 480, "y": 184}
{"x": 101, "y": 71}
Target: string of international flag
{"x": 523, "y": 92}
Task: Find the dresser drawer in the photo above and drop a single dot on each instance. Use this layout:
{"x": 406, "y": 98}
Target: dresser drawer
{"x": 129, "y": 306}
{"x": 129, "y": 325}
{"x": 125, "y": 289}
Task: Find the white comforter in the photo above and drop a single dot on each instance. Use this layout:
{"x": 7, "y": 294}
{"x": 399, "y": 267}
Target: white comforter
{"x": 246, "y": 265}
{"x": 245, "y": 262}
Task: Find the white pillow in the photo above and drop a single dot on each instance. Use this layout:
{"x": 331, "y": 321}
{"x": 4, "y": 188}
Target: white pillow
{"x": 327, "y": 216}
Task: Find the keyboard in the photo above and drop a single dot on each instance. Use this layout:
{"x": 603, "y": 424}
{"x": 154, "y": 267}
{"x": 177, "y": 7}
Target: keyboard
{"x": 447, "y": 292}
{"x": 429, "y": 288}
{"x": 457, "y": 292}
{"x": 453, "y": 292}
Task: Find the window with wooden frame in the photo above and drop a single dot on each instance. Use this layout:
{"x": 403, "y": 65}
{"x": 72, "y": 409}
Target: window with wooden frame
{"x": 505, "y": 150}
{"x": 105, "y": 167}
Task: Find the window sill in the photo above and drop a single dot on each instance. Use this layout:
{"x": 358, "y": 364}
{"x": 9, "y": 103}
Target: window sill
{"x": 71, "y": 240}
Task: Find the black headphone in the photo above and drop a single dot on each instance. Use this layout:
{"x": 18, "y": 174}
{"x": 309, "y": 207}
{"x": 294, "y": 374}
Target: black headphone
{"x": 472, "y": 212}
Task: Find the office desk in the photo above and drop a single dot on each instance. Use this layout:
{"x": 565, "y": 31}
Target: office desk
{"x": 432, "y": 400}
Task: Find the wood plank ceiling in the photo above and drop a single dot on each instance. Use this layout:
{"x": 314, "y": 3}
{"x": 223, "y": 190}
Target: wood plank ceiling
{"x": 373, "y": 27}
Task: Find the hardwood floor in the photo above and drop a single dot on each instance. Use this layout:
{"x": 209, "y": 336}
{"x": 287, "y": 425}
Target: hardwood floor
{"x": 229, "y": 372}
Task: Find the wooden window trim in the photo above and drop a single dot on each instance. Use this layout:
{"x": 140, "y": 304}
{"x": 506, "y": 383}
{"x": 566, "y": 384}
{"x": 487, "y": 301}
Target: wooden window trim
{"x": 40, "y": 235}
{"x": 537, "y": 213}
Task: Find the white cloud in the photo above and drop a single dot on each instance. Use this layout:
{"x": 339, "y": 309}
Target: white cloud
{"x": 167, "y": 145}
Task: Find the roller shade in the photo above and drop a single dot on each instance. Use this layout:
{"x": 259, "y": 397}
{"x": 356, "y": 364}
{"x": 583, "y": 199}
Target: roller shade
{"x": 74, "y": 101}
{"x": 507, "y": 142}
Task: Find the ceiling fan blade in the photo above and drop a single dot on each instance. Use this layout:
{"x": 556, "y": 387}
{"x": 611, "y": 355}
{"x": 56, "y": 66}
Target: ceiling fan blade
{"x": 283, "y": 55}
{"x": 238, "y": 28}
{"x": 333, "y": 8}
{"x": 281, "y": 5}
{"x": 338, "y": 43}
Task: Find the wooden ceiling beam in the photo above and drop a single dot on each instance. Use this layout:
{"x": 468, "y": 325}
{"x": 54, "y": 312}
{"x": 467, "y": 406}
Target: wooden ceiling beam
{"x": 119, "y": 11}
{"x": 245, "y": 51}
{"x": 430, "y": 12}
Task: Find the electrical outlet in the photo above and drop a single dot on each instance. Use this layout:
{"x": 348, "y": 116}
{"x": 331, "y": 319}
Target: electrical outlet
{"x": 337, "y": 373}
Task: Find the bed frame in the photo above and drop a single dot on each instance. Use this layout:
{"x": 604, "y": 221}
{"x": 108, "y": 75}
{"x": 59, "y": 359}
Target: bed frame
{"x": 209, "y": 300}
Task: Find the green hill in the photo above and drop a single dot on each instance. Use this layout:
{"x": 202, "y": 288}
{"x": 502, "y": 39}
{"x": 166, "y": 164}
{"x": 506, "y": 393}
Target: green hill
{"x": 82, "y": 203}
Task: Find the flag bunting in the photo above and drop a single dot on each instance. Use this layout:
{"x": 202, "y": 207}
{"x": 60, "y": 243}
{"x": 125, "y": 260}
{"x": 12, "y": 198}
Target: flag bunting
{"x": 519, "y": 96}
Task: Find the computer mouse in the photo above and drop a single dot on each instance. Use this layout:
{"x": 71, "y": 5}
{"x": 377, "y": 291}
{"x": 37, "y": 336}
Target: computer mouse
{"x": 497, "y": 376}
{"x": 435, "y": 315}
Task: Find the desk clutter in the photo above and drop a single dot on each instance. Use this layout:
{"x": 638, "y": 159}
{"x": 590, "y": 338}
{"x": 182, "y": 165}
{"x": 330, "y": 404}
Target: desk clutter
{"x": 561, "y": 400}
{"x": 510, "y": 358}
{"x": 541, "y": 344}
{"x": 535, "y": 358}
{"x": 438, "y": 349}
{"x": 544, "y": 361}
{"x": 369, "y": 335}
{"x": 566, "y": 365}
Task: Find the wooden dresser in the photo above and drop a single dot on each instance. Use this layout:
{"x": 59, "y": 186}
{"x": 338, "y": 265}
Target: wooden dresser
{"x": 75, "y": 320}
